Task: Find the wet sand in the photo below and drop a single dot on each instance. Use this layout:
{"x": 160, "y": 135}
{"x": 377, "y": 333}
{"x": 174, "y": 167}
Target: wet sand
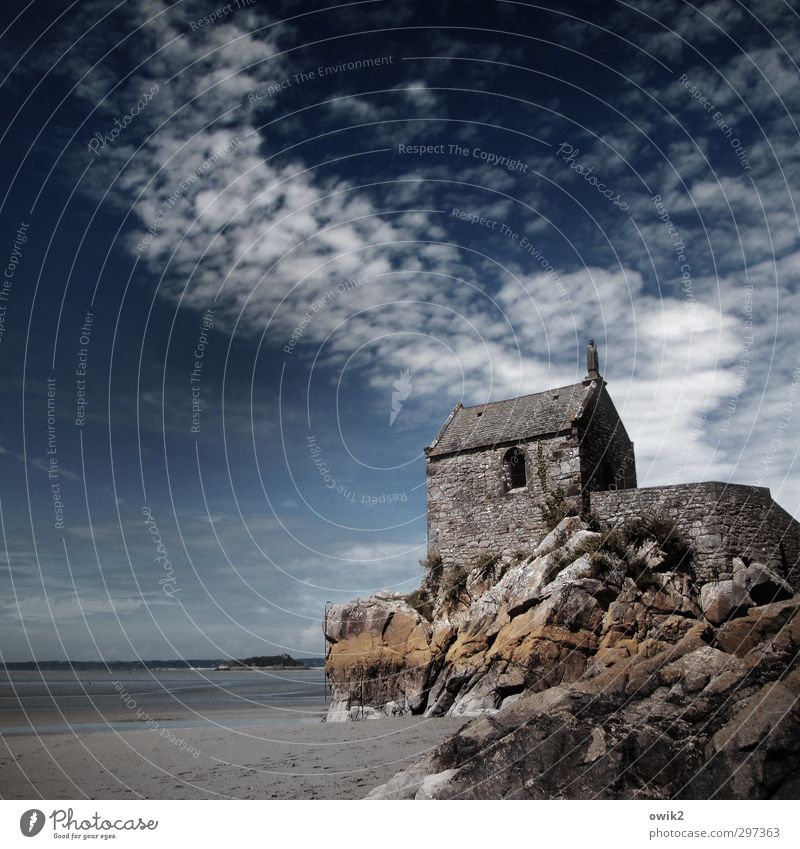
{"x": 171, "y": 761}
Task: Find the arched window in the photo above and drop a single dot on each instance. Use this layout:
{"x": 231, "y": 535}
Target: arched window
{"x": 604, "y": 476}
{"x": 514, "y": 468}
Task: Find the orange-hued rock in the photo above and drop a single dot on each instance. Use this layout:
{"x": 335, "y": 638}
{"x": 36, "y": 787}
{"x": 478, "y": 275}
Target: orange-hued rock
{"x": 690, "y": 721}
{"x": 776, "y": 625}
{"x": 596, "y": 676}
{"x": 379, "y": 656}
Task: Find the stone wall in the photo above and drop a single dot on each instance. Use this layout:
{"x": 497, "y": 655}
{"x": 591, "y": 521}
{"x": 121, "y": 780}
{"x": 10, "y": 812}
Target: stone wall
{"x": 470, "y": 509}
{"x": 721, "y": 521}
{"x": 607, "y": 458}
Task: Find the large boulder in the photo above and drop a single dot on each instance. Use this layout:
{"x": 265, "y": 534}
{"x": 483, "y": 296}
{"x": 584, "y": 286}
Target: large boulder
{"x": 379, "y": 658}
{"x": 761, "y": 583}
{"x": 724, "y": 600}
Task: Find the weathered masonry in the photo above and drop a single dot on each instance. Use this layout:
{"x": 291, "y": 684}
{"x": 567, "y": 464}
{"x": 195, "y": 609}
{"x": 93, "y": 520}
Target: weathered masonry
{"x": 721, "y": 520}
{"x": 492, "y": 469}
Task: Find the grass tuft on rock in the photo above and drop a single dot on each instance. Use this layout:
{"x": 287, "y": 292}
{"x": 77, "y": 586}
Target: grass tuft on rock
{"x": 420, "y": 601}
{"x": 629, "y": 540}
{"x": 456, "y": 582}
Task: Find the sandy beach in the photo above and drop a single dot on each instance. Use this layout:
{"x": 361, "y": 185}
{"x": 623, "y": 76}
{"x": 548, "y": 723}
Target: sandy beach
{"x": 194, "y": 734}
{"x": 314, "y": 761}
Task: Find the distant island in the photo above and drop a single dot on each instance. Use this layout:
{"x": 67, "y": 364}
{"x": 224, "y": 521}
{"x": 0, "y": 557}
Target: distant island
{"x": 262, "y": 661}
{"x": 280, "y": 661}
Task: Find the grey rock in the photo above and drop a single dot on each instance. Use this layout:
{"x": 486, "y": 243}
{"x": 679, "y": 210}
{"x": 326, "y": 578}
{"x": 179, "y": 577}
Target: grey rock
{"x": 762, "y": 583}
{"x": 591, "y": 677}
{"x": 724, "y": 600}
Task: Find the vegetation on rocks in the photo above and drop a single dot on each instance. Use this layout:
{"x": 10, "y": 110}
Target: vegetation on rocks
{"x": 455, "y": 584}
{"x": 555, "y": 506}
{"x": 421, "y": 601}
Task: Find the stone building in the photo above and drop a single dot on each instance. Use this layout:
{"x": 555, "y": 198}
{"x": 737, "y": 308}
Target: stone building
{"x": 494, "y": 469}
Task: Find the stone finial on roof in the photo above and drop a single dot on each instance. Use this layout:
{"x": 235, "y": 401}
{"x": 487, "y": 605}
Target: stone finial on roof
{"x": 592, "y": 362}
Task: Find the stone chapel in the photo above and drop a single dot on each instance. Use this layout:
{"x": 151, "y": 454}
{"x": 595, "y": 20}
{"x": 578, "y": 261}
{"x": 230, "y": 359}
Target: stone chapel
{"x": 492, "y": 468}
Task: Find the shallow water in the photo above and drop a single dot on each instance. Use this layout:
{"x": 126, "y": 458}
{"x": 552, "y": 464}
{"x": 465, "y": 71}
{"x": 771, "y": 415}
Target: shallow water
{"x": 54, "y": 702}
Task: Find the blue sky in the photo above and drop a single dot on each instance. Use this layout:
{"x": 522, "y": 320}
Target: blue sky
{"x": 359, "y": 215}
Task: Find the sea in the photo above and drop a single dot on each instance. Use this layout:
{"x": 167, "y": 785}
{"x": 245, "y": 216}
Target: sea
{"x": 38, "y": 702}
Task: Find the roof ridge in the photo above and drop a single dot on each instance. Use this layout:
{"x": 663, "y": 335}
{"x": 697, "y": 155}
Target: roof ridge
{"x": 524, "y": 416}
{"x": 528, "y": 395}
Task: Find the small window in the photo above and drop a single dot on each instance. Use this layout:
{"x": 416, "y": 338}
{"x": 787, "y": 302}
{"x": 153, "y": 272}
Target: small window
{"x": 604, "y": 475}
{"x": 514, "y": 468}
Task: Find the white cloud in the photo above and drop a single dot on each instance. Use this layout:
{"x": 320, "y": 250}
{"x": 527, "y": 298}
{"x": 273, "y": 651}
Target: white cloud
{"x": 269, "y": 237}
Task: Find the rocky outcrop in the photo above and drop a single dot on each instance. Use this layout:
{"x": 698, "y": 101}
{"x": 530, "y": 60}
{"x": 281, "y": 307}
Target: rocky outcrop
{"x": 714, "y": 714}
{"x": 597, "y": 665}
{"x": 379, "y": 659}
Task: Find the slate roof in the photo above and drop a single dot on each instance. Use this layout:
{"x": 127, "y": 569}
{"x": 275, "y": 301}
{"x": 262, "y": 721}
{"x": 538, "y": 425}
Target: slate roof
{"x": 507, "y": 421}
